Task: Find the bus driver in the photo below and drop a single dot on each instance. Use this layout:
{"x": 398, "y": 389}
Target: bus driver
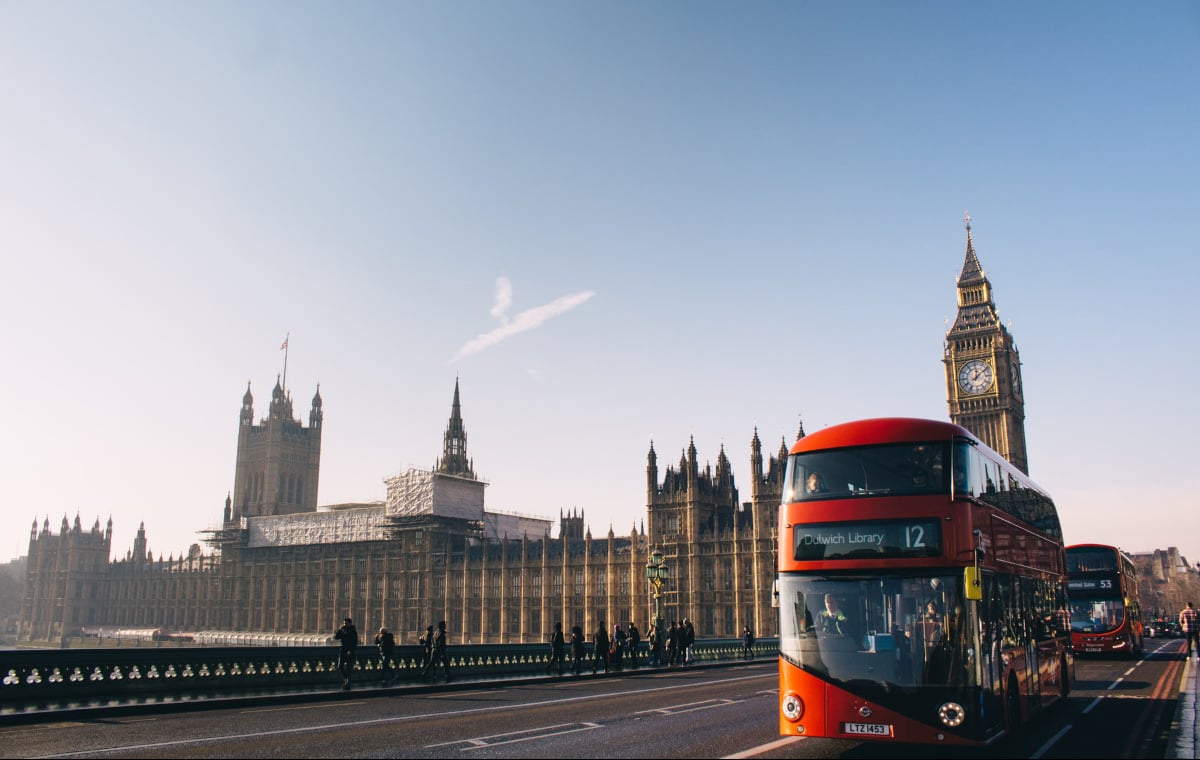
{"x": 833, "y": 620}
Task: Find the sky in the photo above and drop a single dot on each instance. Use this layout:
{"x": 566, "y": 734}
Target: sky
{"x": 615, "y": 224}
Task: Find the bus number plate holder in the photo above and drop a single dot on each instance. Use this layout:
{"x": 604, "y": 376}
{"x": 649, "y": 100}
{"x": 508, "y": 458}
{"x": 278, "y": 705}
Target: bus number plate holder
{"x": 867, "y": 729}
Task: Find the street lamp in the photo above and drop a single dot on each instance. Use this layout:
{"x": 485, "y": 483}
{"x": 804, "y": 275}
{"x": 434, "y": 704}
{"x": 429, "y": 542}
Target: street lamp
{"x": 656, "y": 573}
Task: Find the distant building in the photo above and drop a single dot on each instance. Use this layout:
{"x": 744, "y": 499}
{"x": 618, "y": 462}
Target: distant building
{"x": 431, "y": 551}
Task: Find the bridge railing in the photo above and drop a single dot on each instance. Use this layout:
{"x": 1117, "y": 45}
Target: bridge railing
{"x": 40, "y": 679}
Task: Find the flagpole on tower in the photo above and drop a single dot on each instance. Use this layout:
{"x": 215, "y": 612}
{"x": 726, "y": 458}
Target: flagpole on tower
{"x": 284, "y": 347}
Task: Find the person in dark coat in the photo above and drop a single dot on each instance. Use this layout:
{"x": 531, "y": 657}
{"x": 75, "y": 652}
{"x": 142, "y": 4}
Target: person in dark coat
{"x": 387, "y": 649}
{"x": 672, "y": 644}
{"x": 578, "y": 650}
{"x": 426, "y": 644}
{"x": 438, "y": 655}
{"x": 635, "y": 640}
{"x": 348, "y": 636}
{"x": 617, "y": 650}
{"x": 600, "y": 655}
{"x": 687, "y": 639}
{"x": 556, "y": 649}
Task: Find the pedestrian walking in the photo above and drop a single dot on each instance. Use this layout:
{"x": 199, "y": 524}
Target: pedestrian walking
{"x": 387, "y": 648}
{"x": 578, "y": 650}
{"x": 672, "y": 644}
{"x": 556, "y": 649}
{"x": 654, "y": 641}
{"x": 347, "y": 634}
{"x": 1189, "y": 621}
{"x": 600, "y": 654}
{"x": 748, "y": 643}
{"x": 688, "y": 640}
{"x": 426, "y": 644}
{"x": 617, "y": 650}
{"x": 438, "y": 655}
{"x": 635, "y": 640}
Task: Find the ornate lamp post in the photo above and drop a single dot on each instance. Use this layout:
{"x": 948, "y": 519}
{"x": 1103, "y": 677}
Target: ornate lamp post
{"x": 656, "y": 573}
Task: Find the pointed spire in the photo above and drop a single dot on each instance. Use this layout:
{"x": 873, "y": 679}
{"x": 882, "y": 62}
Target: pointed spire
{"x": 972, "y": 272}
{"x": 454, "y": 449}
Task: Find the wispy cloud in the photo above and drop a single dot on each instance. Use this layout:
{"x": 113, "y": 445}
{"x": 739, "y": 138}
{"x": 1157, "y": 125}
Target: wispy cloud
{"x": 503, "y": 299}
{"x": 522, "y": 322}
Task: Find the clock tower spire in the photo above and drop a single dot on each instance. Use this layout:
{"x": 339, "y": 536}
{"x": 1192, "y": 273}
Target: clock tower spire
{"x": 983, "y": 367}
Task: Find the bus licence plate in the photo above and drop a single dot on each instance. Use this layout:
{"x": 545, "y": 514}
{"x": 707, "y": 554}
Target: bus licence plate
{"x": 867, "y": 729}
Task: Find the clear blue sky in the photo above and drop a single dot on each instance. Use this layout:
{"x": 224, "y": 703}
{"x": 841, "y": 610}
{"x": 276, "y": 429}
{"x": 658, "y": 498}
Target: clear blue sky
{"x": 723, "y": 216}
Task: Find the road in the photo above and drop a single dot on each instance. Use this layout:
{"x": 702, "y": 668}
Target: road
{"x": 1120, "y": 709}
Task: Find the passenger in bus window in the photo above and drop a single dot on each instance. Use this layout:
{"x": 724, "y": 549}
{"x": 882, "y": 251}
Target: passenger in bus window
{"x": 815, "y": 483}
{"x": 931, "y": 614}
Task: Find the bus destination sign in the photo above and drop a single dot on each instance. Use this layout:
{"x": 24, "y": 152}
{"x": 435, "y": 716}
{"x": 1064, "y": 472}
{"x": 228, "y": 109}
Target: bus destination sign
{"x": 1091, "y": 584}
{"x": 866, "y": 540}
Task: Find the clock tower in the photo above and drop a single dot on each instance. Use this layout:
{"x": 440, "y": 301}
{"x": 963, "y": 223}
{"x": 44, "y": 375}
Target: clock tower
{"x": 983, "y": 367}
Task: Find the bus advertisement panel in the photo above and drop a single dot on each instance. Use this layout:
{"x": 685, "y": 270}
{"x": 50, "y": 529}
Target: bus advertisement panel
{"x": 1106, "y": 615}
{"x": 922, "y": 588}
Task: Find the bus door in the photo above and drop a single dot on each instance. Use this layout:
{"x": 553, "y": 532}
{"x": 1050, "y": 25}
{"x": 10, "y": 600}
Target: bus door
{"x": 1014, "y": 641}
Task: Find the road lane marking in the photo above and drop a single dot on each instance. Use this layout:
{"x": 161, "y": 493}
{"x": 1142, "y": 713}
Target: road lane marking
{"x": 688, "y": 707}
{"x": 514, "y": 737}
{"x": 296, "y": 707}
{"x": 762, "y": 748}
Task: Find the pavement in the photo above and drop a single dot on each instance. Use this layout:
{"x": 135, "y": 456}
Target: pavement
{"x": 1185, "y": 727}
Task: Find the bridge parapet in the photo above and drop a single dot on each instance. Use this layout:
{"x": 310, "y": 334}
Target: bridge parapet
{"x": 61, "y": 679}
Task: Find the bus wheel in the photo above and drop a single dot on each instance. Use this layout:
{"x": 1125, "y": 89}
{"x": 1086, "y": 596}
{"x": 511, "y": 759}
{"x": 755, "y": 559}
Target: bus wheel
{"x": 1012, "y": 705}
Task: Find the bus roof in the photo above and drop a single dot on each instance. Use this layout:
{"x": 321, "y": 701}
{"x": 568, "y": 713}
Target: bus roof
{"x": 881, "y": 430}
{"x": 1109, "y": 547}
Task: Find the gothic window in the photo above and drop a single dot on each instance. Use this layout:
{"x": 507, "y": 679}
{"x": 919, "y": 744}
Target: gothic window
{"x": 556, "y": 583}
{"x": 476, "y": 585}
{"x": 439, "y": 587}
{"x": 601, "y": 582}
{"x": 579, "y": 584}
{"x": 496, "y": 585}
{"x": 708, "y": 578}
{"x": 514, "y": 584}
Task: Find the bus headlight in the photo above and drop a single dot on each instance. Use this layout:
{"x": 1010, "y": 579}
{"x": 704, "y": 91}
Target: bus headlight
{"x": 951, "y": 714}
{"x": 792, "y": 706}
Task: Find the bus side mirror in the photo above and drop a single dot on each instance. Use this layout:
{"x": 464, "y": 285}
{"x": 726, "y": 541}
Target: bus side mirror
{"x": 971, "y": 587}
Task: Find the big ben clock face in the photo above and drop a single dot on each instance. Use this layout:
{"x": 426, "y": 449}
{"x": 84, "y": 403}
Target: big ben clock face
{"x": 975, "y": 376}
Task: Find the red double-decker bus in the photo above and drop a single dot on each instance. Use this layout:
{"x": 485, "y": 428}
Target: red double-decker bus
{"x": 922, "y": 588}
{"x": 1106, "y": 615}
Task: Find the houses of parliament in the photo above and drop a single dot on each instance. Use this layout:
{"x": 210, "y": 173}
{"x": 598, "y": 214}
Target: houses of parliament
{"x": 282, "y": 566}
